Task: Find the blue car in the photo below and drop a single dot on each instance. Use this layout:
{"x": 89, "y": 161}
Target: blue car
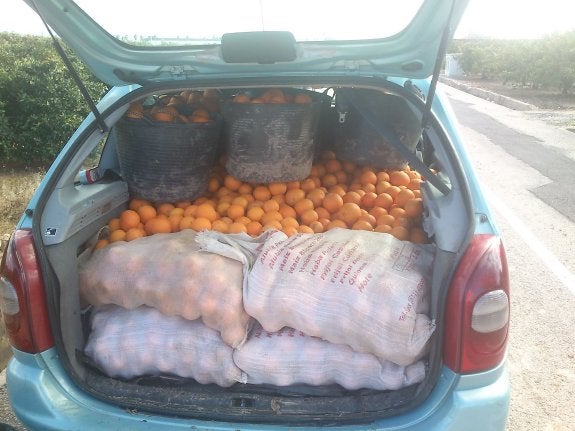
{"x": 259, "y": 102}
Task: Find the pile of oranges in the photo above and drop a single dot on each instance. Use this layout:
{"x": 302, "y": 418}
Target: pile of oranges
{"x": 185, "y": 107}
{"x": 274, "y": 96}
{"x": 336, "y": 194}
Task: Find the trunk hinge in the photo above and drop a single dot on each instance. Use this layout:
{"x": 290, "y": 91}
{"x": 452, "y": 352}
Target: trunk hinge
{"x": 437, "y": 69}
{"x": 99, "y": 119}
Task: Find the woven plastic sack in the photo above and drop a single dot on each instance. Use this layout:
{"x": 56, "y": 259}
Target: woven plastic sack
{"x": 289, "y": 357}
{"x": 367, "y": 290}
{"x": 168, "y": 272}
{"x": 143, "y": 342}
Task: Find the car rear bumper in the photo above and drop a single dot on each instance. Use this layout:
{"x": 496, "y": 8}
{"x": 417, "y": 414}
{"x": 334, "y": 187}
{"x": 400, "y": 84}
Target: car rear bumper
{"x": 44, "y": 398}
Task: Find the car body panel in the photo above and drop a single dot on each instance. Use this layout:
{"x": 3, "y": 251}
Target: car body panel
{"x": 467, "y": 403}
{"x": 411, "y": 53}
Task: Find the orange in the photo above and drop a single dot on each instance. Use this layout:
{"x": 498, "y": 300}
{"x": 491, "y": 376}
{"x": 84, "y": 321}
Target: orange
{"x": 164, "y": 208}
{"x": 376, "y": 212}
{"x": 158, "y": 225}
{"x": 237, "y": 228}
{"x": 328, "y": 155}
{"x": 413, "y": 207}
{"x": 305, "y": 229}
{"x": 382, "y": 176}
{"x": 403, "y": 221}
{"x": 368, "y": 200}
{"x": 381, "y": 186}
{"x": 309, "y": 216}
{"x": 101, "y": 244}
{"x": 365, "y": 216}
{"x": 383, "y": 200}
{"x": 302, "y": 206}
{"x": 336, "y": 223}
{"x": 213, "y": 185}
{"x": 323, "y": 213}
{"x": 349, "y": 213}
{"x": 222, "y": 208}
{"x": 255, "y": 214}
{"x": 293, "y": 185}
{"x": 271, "y": 216}
{"x": 147, "y": 212}
{"x": 308, "y": 185}
{"x": 277, "y": 188}
{"x": 222, "y": 191}
{"x": 352, "y": 197}
{"x": 207, "y": 211}
{"x": 190, "y": 210}
{"x": 175, "y": 222}
{"x": 289, "y": 221}
{"x": 135, "y": 233}
{"x": 348, "y": 167}
{"x": 339, "y": 189}
{"x": 385, "y": 219}
{"x": 316, "y": 196}
{"x": 332, "y": 202}
{"x": 341, "y": 177}
{"x": 186, "y": 222}
{"x": 369, "y": 188}
{"x": 290, "y": 230}
{"x": 329, "y": 180}
{"x": 114, "y": 224}
{"x": 318, "y": 170}
{"x": 418, "y": 236}
{"x": 246, "y": 189}
{"x": 324, "y": 222}
{"x": 272, "y": 225}
{"x": 316, "y": 226}
{"x": 241, "y": 98}
{"x": 117, "y": 235}
{"x": 399, "y": 178}
{"x": 137, "y": 203}
{"x": 254, "y": 228}
{"x": 280, "y": 199}
{"x": 262, "y": 193}
{"x": 220, "y": 226}
{"x": 403, "y": 196}
{"x": 362, "y": 225}
{"x": 201, "y": 223}
{"x": 302, "y": 98}
{"x": 400, "y": 233}
{"x": 287, "y": 211}
{"x": 177, "y": 211}
{"x": 383, "y": 228}
{"x": 368, "y": 177}
{"x": 254, "y": 204}
{"x": 241, "y": 200}
{"x": 271, "y": 205}
{"x": 332, "y": 166}
{"x": 392, "y": 191}
{"x": 235, "y": 211}
{"x": 232, "y": 183}
{"x": 414, "y": 184}
{"x": 294, "y": 195}
{"x": 397, "y": 212}
{"x": 243, "y": 220}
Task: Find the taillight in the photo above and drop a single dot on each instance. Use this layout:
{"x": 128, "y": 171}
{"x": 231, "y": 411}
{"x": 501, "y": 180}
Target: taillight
{"x": 22, "y": 296}
{"x": 477, "y": 309}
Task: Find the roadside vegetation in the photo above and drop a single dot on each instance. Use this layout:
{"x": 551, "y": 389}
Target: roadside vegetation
{"x": 546, "y": 64}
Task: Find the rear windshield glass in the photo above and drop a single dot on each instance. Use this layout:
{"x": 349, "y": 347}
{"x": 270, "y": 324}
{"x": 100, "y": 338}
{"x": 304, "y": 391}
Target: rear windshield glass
{"x": 188, "y": 22}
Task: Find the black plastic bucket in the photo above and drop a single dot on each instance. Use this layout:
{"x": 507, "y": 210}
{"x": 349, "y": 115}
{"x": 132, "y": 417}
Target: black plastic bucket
{"x": 355, "y": 140}
{"x": 270, "y": 142}
{"x": 165, "y": 162}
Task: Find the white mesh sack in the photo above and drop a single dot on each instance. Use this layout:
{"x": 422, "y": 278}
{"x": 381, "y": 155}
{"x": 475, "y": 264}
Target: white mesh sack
{"x": 367, "y": 290}
{"x": 131, "y": 343}
{"x": 170, "y": 273}
{"x": 290, "y": 357}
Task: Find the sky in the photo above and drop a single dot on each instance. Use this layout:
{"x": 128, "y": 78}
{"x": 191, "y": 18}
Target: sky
{"x": 510, "y": 19}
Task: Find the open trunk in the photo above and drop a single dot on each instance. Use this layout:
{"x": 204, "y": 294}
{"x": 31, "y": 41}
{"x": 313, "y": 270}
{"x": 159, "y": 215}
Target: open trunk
{"x": 73, "y": 213}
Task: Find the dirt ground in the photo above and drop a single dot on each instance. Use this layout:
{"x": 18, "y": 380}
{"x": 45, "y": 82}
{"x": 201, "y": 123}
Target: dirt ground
{"x": 551, "y": 106}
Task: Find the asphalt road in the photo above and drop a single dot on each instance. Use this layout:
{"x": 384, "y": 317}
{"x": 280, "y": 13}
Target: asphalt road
{"x": 527, "y": 169}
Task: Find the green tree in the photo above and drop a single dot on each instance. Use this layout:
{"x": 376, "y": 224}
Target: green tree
{"x": 40, "y": 106}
